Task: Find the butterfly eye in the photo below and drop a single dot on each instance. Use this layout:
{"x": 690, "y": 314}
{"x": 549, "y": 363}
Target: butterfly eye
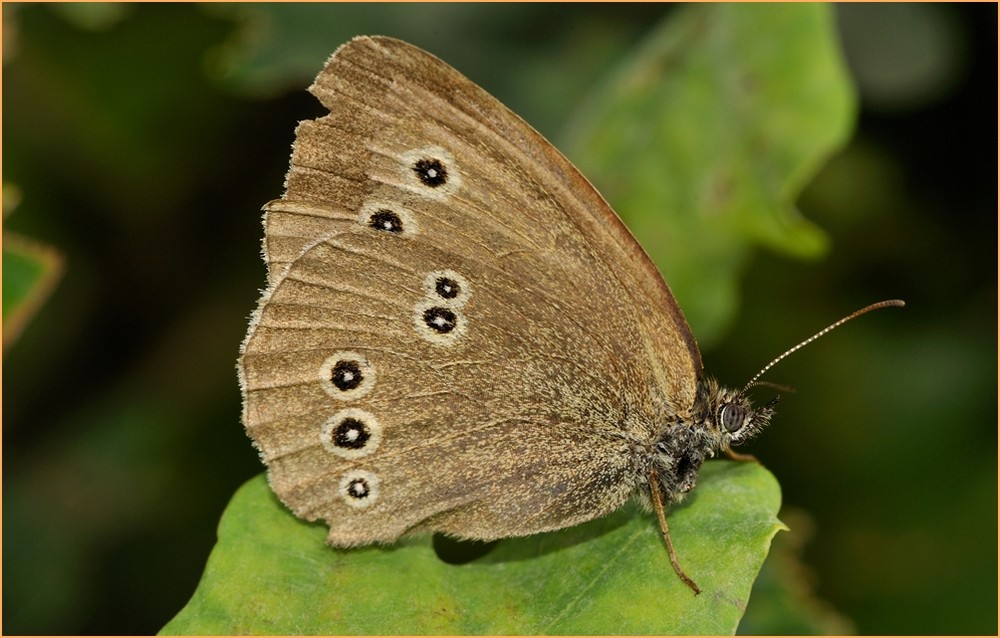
{"x": 732, "y": 416}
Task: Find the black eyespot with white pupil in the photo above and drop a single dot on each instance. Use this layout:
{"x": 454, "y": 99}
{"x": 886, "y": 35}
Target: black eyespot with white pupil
{"x": 385, "y": 219}
{"x": 447, "y": 288}
{"x": 351, "y": 434}
{"x": 440, "y": 319}
{"x": 358, "y": 488}
{"x": 431, "y": 172}
{"x": 346, "y": 375}
{"x": 732, "y": 416}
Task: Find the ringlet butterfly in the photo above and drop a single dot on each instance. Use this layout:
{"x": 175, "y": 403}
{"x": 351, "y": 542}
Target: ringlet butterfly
{"x": 458, "y": 334}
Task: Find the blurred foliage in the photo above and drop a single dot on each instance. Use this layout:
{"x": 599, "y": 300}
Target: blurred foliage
{"x": 783, "y": 600}
{"x": 145, "y": 138}
{"x": 273, "y": 574}
{"x": 705, "y": 137}
{"x": 30, "y": 270}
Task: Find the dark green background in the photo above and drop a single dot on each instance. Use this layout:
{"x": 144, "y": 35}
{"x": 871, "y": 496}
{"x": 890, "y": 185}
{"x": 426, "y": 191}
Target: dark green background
{"x": 144, "y": 139}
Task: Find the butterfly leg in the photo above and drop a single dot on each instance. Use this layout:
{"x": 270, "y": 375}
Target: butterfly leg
{"x": 737, "y": 456}
{"x": 654, "y": 486}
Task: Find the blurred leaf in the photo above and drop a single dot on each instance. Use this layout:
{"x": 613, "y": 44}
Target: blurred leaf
{"x": 122, "y": 129}
{"x": 271, "y": 573}
{"x": 281, "y": 46}
{"x": 783, "y": 601}
{"x": 704, "y": 139}
{"x": 93, "y": 16}
{"x": 30, "y": 272}
{"x": 904, "y": 55}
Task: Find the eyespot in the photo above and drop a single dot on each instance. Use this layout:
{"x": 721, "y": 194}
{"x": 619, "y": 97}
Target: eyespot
{"x": 447, "y": 286}
{"x": 441, "y": 320}
{"x": 359, "y": 488}
{"x": 387, "y": 217}
{"x": 439, "y": 324}
{"x": 731, "y": 417}
{"x": 431, "y": 172}
{"x": 347, "y": 375}
{"x": 351, "y": 434}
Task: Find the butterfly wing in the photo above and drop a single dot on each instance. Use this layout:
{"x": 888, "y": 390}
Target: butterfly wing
{"x": 459, "y": 334}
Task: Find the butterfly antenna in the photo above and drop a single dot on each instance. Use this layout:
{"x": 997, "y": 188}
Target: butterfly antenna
{"x": 898, "y": 303}
{"x": 780, "y": 387}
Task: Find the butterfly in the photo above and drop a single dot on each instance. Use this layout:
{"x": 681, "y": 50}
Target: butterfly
{"x": 459, "y": 335}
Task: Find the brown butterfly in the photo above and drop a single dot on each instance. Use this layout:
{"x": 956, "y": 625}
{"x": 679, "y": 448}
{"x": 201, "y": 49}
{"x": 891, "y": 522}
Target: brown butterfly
{"x": 459, "y": 335}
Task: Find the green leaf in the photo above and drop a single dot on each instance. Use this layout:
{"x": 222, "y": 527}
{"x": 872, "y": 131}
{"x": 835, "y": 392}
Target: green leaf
{"x": 705, "y": 137}
{"x": 30, "y": 271}
{"x": 272, "y": 574}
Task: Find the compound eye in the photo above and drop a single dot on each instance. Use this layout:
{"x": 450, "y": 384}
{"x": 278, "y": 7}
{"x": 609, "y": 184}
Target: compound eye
{"x": 732, "y": 416}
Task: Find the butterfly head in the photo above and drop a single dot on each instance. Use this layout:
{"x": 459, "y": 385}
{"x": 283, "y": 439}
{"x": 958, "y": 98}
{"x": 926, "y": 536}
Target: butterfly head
{"x": 729, "y": 416}
{"x": 720, "y": 419}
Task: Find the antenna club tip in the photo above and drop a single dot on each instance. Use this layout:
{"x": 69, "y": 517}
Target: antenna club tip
{"x": 888, "y": 303}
